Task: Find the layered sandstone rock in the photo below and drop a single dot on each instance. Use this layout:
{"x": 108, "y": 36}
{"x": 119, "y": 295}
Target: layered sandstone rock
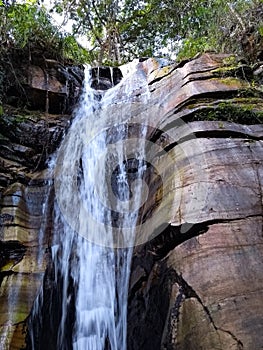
{"x": 198, "y": 285}
{"x": 41, "y": 84}
{"x": 27, "y": 139}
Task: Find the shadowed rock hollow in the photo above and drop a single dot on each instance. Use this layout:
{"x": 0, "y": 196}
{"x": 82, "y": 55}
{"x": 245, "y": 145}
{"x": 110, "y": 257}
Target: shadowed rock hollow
{"x": 199, "y": 283}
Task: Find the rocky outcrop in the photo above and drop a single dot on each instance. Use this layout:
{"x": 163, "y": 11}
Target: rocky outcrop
{"x": 27, "y": 139}
{"x": 198, "y": 283}
{"x": 25, "y": 145}
{"x": 40, "y": 84}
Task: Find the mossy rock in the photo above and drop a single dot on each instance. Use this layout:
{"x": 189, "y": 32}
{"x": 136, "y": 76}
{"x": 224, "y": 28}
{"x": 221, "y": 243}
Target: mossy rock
{"x": 240, "y": 71}
{"x": 228, "y": 111}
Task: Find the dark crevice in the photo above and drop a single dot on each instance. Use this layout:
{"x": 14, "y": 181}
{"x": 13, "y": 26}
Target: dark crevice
{"x": 255, "y": 165}
{"x": 221, "y": 104}
{"x": 11, "y": 253}
{"x": 137, "y": 286}
{"x": 159, "y": 78}
{"x": 159, "y": 247}
{"x": 239, "y": 342}
{"x": 226, "y": 134}
{"x": 172, "y": 236}
{"x": 180, "y": 65}
{"x": 221, "y": 134}
{"x": 21, "y": 226}
{"x": 240, "y": 73}
{"x": 20, "y": 323}
{"x": 11, "y": 206}
{"x": 239, "y": 76}
{"x": 200, "y": 78}
{"x": 189, "y": 292}
{"x": 210, "y": 69}
{"x": 4, "y": 274}
{"x": 212, "y": 95}
{"x": 225, "y": 112}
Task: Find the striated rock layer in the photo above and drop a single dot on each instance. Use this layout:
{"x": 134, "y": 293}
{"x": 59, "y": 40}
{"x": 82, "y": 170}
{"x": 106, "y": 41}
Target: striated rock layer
{"x": 197, "y": 282}
{"x": 23, "y": 195}
{"x": 27, "y": 139}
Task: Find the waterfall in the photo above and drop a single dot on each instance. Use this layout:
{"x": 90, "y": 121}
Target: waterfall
{"x": 99, "y": 189}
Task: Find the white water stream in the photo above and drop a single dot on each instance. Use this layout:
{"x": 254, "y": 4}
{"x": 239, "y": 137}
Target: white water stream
{"x": 96, "y": 213}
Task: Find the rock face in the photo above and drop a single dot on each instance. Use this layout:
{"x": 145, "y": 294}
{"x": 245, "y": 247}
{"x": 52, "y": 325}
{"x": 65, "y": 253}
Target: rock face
{"x": 45, "y": 85}
{"x": 27, "y": 139}
{"x": 104, "y": 78}
{"x": 25, "y": 145}
{"x": 198, "y": 284}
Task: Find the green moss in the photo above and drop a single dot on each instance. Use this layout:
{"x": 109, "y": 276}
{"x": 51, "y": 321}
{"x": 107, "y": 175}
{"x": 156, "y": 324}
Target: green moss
{"x": 20, "y": 118}
{"x": 230, "y": 81}
{"x": 230, "y": 60}
{"x": 221, "y": 125}
{"x": 253, "y": 102}
{"x": 7, "y": 265}
{"x": 18, "y": 115}
{"x": 226, "y": 111}
{"x": 224, "y": 70}
{"x": 243, "y": 72}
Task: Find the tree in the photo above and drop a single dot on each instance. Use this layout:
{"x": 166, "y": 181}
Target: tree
{"x": 27, "y": 26}
{"x": 110, "y": 26}
{"x": 119, "y": 30}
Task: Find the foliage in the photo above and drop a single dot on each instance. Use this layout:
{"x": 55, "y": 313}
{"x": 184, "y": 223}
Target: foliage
{"x": 192, "y": 46}
{"x": 28, "y": 26}
{"x": 119, "y": 30}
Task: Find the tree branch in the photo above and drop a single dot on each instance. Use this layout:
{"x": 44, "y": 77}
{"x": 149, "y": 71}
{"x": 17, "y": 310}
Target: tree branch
{"x": 236, "y": 14}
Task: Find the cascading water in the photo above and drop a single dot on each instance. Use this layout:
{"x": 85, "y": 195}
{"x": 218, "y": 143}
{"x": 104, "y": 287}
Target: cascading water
{"x": 99, "y": 190}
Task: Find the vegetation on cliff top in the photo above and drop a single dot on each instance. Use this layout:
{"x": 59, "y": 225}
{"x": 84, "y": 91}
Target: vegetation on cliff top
{"x": 117, "y": 31}
{"x": 27, "y": 26}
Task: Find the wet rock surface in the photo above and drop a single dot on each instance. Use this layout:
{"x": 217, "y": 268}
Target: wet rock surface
{"x": 48, "y": 86}
{"x": 104, "y": 78}
{"x": 199, "y": 283}
{"x": 27, "y": 139}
